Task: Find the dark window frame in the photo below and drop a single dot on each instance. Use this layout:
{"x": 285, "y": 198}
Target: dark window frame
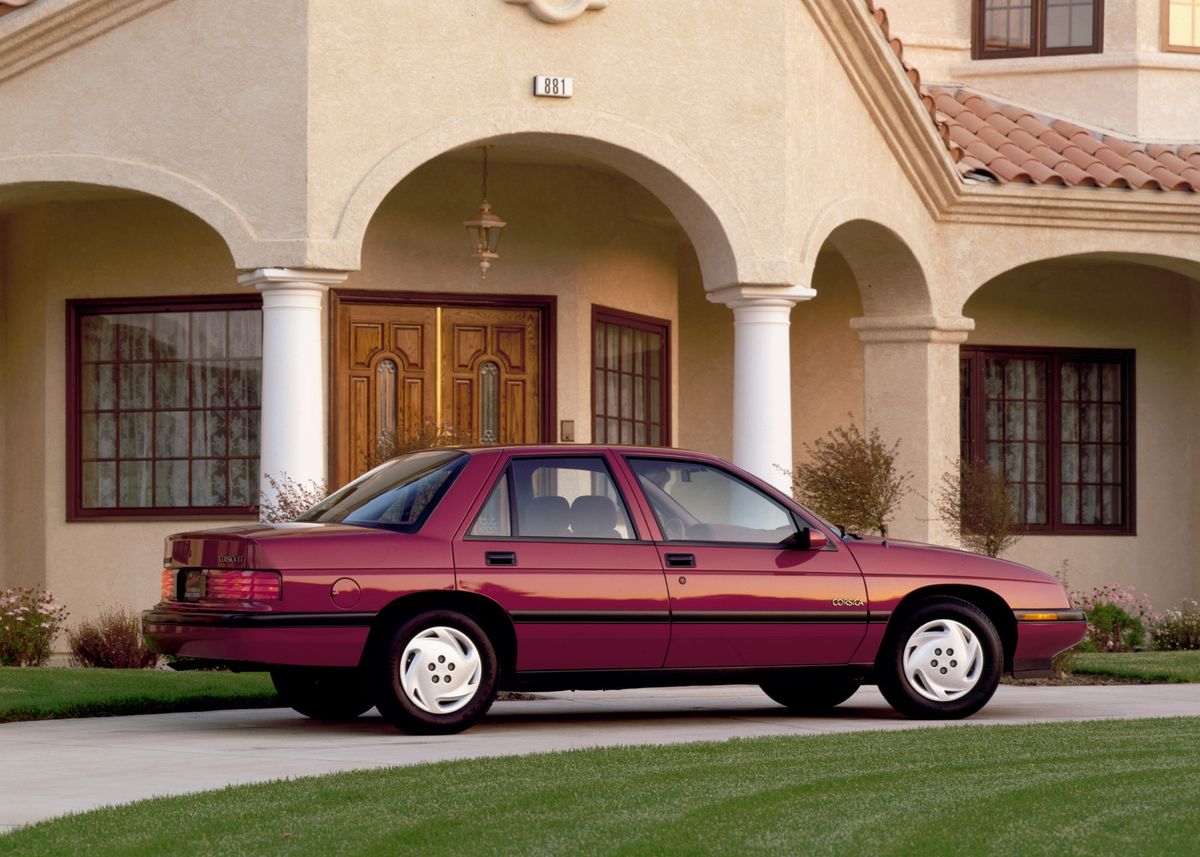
{"x": 649, "y": 324}
{"x": 76, "y": 311}
{"x": 1038, "y": 33}
{"x": 976, "y": 407}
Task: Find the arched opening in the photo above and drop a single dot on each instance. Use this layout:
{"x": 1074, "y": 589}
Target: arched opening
{"x": 129, "y": 385}
{"x": 574, "y": 334}
{"x": 1078, "y": 385}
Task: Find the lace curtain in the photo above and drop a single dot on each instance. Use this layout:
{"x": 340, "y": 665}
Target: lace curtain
{"x": 169, "y": 409}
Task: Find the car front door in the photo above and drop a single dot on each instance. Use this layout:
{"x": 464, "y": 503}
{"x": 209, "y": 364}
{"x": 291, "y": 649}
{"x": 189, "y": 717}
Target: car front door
{"x": 555, "y": 544}
{"x": 742, "y": 591}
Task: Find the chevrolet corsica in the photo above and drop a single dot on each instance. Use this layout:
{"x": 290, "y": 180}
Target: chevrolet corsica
{"x": 435, "y": 580}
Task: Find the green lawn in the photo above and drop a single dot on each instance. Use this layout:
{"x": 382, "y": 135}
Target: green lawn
{"x": 1109, "y": 787}
{"x": 1141, "y": 666}
{"x": 37, "y": 693}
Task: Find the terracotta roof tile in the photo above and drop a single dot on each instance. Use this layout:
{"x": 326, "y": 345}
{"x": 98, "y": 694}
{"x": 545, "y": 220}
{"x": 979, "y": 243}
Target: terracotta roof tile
{"x": 1053, "y": 152}
{"x": 1079, "y": 157}
{"x": 1054, "y": 140}
{"x": 7, "y": 6}
{"x": 1011, "y": 144}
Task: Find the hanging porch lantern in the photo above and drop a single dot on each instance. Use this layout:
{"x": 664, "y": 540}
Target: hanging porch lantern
{"x": 483, "y": 230}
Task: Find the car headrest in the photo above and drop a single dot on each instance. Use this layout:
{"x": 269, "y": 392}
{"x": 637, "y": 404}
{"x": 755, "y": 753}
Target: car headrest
{"x": 545, "y": 516}
{"x": 593, "y": 516}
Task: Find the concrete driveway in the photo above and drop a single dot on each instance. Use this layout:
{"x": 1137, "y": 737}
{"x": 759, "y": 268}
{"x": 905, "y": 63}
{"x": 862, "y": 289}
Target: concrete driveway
{"x": 53, "y": 767}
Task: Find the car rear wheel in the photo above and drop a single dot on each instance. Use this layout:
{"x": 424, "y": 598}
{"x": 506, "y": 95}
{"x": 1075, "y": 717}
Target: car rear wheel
{"x": 811, "y": 697}
{"x": 941, "y": 660}
{"x": 435, "y": 674}
{"x": 323, "y": 694}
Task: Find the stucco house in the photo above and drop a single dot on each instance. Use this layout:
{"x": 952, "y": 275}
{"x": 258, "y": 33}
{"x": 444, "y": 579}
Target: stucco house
{"x": 232, "y": 246}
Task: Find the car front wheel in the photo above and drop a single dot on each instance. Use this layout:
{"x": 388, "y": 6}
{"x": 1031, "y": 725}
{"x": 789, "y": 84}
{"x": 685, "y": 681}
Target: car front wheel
{"x": 436, "y": 674}
{"x": 941, "y": 660}
{"x": 323, "y": 694}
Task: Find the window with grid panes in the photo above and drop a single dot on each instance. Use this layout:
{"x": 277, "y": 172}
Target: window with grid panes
{"x": 630, "y": 379}
{"x": 1058, "y": 425}
{"x": 1016, "y": 28}
{"x": 166, "y": 400}
{"x": 1181, "y": 25}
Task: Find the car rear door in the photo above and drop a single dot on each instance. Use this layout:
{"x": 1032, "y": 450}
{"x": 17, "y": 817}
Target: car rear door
{"x": 740, "y": 596}
{"x": 555, "y": 542}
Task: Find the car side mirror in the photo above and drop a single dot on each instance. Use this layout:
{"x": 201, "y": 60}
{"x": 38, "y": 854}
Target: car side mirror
{"x": 807, "y": 539}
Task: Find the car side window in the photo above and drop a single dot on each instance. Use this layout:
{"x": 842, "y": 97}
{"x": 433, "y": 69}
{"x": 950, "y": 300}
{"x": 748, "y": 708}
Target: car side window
{"x": 561, "y": 498}
{"x": 694, "y": 502}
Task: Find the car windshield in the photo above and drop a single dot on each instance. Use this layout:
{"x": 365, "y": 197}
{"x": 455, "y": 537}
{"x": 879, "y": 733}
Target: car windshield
{"x": 397, "y": 495}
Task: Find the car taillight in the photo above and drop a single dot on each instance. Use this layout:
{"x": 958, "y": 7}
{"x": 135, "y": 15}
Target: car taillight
{"x": 242, "y": 585}
{"x": 168, "y": 584}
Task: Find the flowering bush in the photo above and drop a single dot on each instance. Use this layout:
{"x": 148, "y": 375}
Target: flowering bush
{"x": 1178, "y": 629}
{"x": 29, "y": 621}
{"x": 114, "y": 641}
{"x": 1117, "y": 618}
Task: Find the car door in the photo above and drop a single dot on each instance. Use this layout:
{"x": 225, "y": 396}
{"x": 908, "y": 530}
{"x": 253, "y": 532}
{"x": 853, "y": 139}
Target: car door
{"x": 742, "y": 592}
{"x": 555, "y": 544}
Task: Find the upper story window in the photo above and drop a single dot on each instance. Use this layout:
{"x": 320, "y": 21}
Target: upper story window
{"x": 164, "y": 406}
{"x": 1030, "y": 28}
{"x": 1181, "y": 25}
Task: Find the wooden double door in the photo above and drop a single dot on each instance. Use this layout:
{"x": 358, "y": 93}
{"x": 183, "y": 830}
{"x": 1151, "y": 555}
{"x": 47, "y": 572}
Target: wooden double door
{"x": 405, "y": 370}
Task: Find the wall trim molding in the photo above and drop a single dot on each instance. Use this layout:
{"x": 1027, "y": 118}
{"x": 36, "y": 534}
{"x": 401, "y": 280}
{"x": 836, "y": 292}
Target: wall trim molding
{"x": 51, "y": 27}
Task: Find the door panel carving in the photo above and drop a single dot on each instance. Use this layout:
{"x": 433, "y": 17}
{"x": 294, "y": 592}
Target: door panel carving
{"x": 388, "y": 375}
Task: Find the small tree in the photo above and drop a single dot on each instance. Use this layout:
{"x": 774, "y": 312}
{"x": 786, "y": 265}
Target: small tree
{"x": 974, "y": 501}
{"x": 851, "y": 479}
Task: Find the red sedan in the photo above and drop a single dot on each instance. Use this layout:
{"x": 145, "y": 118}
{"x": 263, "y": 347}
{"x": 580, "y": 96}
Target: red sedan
{"x": 439, "y": 578}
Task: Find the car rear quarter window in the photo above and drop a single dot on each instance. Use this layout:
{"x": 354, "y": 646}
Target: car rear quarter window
{"x": 398, "y": 495}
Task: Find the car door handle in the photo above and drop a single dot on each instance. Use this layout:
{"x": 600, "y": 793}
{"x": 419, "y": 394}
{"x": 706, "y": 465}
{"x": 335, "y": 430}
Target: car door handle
{"x": 680, "y": 560}
{"x": 500, "y": 558}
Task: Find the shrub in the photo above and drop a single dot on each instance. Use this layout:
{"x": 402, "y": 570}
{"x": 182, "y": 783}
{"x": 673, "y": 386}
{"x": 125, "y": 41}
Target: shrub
{"x": 288, "y": 498}
{"x": 29, "y": 622}
{"x": 851, "y": 479}
{"x": 112, "y": 641}
{"x": 974, "y": 501}
{"x": 1178, "y": 629}
{"x": 1116, "y": 617}
{"x": 426, "y": 436}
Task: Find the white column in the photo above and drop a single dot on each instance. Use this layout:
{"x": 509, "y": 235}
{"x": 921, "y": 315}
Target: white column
{"x": 762, "y": 377}
{"x": 292, "y": 434}
{"x": 911, "y": 395}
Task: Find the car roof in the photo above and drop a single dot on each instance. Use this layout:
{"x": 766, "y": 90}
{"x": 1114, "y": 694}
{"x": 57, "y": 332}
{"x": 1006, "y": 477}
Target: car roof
{"x": 570, "y": 448}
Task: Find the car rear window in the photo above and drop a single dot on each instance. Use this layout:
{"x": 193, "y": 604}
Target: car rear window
{"x": 398, "y": 495}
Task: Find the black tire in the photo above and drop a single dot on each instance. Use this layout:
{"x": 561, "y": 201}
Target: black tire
{"x": 324, "y": 694}
{"x": 911, "y": 697}
{"x": 478, "y": 661}
{"x": 811, "y": 697}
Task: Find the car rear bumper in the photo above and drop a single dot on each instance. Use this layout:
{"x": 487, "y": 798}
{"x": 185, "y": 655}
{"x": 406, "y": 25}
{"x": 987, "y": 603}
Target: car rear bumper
{"x": 296, "y": 639}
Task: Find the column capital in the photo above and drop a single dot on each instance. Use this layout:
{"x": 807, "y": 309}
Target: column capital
{"x": 761, "y": 294}
{"x": 912, "y": 328}
{"x": 265, "y": 279}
